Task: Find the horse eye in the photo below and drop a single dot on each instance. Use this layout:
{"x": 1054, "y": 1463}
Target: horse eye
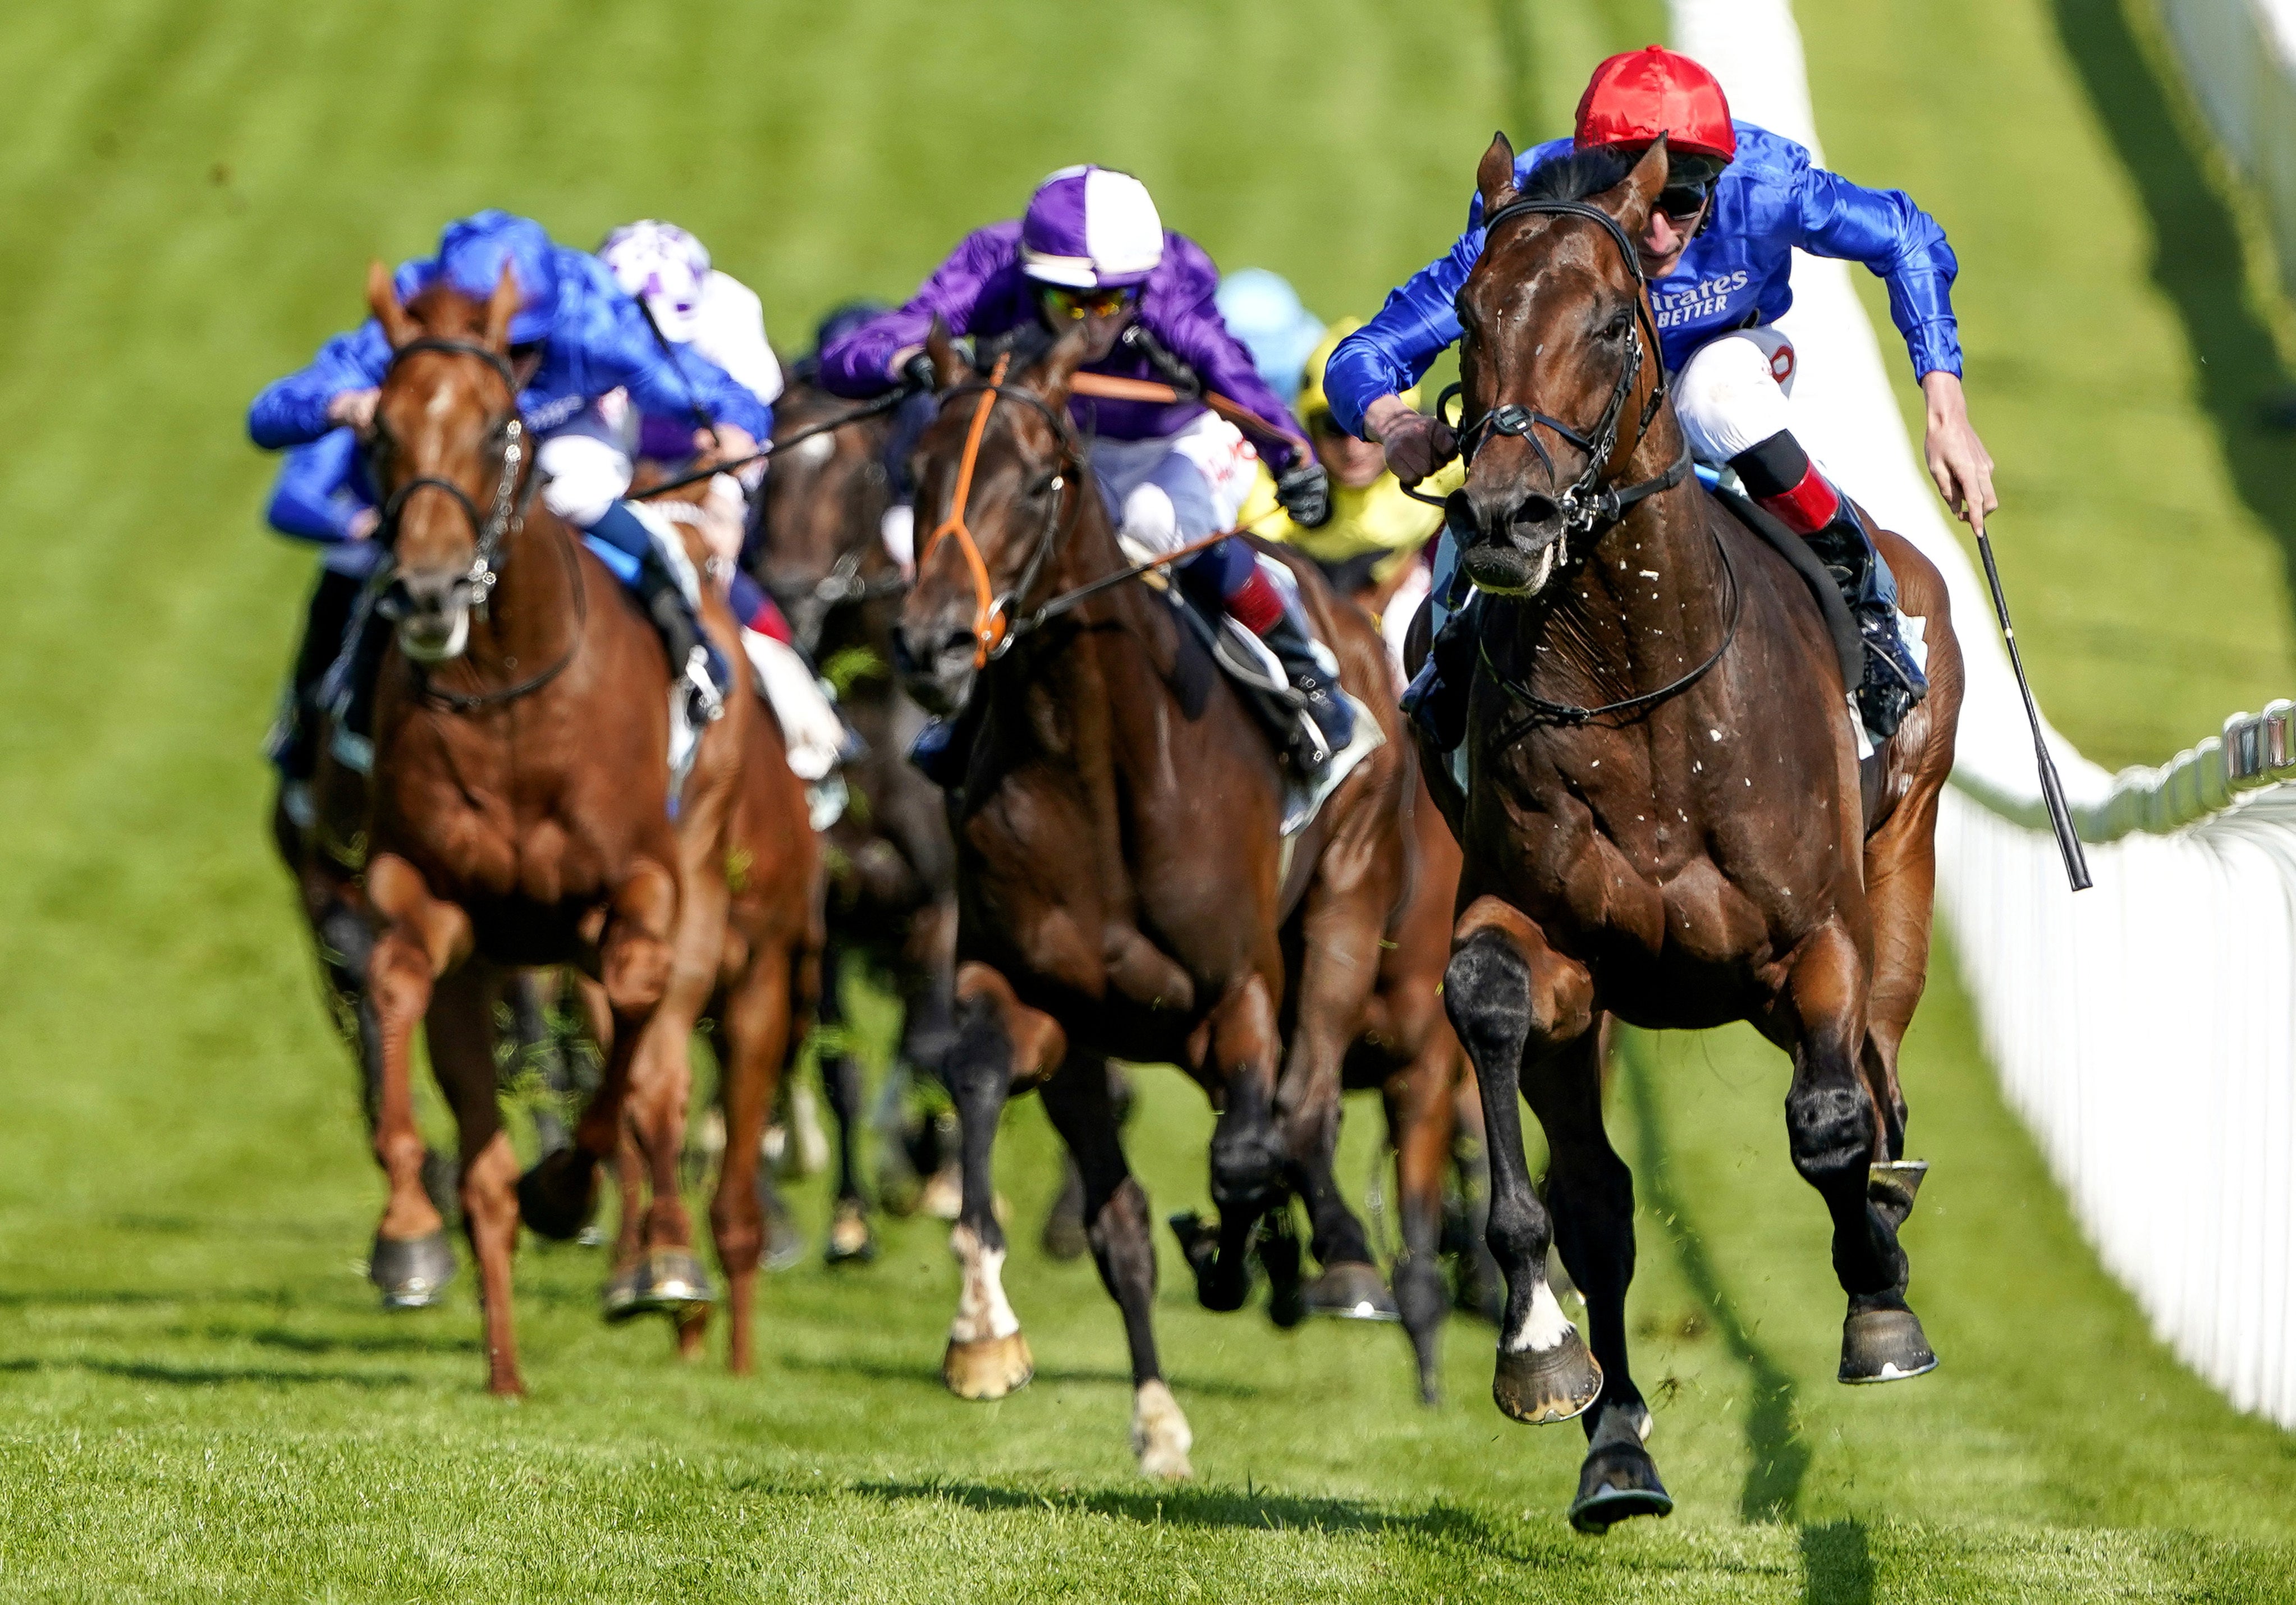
{"x": 1616, "y": 329}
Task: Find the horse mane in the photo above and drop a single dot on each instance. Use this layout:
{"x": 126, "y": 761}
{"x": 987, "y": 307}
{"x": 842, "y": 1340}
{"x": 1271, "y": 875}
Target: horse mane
{"x": 1578, "y": 175}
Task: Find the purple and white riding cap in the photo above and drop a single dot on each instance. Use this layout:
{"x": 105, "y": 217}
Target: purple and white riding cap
{"x": 1091, "y": 228}
{"x": 664, "y": 266}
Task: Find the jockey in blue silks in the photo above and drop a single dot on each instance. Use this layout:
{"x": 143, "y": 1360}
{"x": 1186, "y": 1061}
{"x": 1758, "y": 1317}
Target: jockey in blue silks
{"x": 1093, "y": 250}
{"x": 1717, "y": 253}
{"x": 589, "y": 337}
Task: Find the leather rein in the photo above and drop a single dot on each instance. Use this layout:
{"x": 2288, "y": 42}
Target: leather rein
{"x": 515, "y": 489}
{"x": 1590, "y": 506}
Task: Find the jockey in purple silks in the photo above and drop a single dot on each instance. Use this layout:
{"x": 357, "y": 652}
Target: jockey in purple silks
{"x": 1091, "y": 250}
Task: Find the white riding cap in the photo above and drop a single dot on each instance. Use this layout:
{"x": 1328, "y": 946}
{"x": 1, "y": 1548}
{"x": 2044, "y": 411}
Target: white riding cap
{"x": 1089, "y": 228}
{"x": 663, "y": 266}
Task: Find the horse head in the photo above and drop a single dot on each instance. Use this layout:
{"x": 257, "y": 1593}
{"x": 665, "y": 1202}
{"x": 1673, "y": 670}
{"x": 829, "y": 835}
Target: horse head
{"x": 822, "y": 514}
{"x": 446, "y": 453}
{"x": 1551, "y": 358}
{"x": 999, "y": 485}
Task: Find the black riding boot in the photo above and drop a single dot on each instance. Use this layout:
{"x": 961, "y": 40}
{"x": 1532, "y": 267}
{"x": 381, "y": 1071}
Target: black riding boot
{"x": 694, "y": 661}
{"x": 349, "y": 689}
{"x": 294, "y": 743}
{"x": 1893, "y": 681}
{"x": 1319, "y": 690}
{"x": 1436, "y": 699}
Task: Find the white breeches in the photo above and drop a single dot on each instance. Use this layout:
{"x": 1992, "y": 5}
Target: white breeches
{"x": 810, "y": 728}
{"x": 589, "y": 462}
{"x": 1733, "y": 393}
{"x": 1164, "y": 493}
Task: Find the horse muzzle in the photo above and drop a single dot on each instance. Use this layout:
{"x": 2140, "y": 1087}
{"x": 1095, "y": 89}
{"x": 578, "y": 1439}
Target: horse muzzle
{"x": 936, "y": 666}
{"x": 434, "y": 615}
{"x": 1510, "y": 540}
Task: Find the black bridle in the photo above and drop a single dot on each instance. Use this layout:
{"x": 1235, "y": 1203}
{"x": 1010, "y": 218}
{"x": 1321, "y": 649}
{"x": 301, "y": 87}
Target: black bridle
{"x": 515, "y": 488}
{"x": 1590, "y": 506}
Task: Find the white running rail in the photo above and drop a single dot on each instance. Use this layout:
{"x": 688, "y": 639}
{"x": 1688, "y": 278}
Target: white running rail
{"x": 2143, "y": 1029}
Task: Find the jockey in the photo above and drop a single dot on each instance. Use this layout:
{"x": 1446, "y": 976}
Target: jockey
{"x": 322, "y": 497}
{"x": 1717, "y": 252}
{"x": 1091, "y": 250}
{"x": 1375, "y": 539}
{"x": 1261, "y": 309}
{"x": 588, "y": 337}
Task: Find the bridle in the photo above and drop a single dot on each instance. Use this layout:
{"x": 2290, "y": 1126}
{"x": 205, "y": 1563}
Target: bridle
{"x": 1589, "y": 506}
{"x": 994, "y": 631}
{"x": 515, "y": 489}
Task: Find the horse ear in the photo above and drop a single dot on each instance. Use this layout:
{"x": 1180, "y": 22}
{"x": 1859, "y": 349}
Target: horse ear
{"x": 1630, "y": 202}
{"x": 1054, "y": 374}
{"x": 501, "y": 307}
{"x": 947, "y": 361}
{"x": 1495, "y": 176}
{"x": 383, "y": 300}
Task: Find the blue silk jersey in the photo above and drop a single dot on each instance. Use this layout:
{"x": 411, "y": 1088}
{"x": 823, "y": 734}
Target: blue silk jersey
{"x": 598, "y": 341}
{"x": 1736, "y": 273}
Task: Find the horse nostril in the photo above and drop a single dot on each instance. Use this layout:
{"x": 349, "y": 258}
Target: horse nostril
{"x": 1536, "y": 510}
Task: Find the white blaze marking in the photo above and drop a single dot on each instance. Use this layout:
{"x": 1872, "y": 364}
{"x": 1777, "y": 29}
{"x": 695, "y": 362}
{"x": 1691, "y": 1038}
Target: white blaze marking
{"x": 1544, "y": 1326}
{"x": 982, "y": 1310}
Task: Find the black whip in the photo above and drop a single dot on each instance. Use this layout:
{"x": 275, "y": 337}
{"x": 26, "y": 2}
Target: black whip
{"x": 2052, "y": 790}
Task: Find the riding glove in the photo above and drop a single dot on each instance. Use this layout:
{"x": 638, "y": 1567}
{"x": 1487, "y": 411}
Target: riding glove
{"x": 1305, "y": 490}
{"x": 1416, "y": 446}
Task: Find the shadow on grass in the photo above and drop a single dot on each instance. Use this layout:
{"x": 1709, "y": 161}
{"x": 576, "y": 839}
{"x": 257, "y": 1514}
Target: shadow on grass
{"x": 1778, "y": 1458}
{"x": 2198, "y": 261}
{"x": 1217, "y": 1507}
{"x": 929, "y": 1375}
{"x": 210, "y": 1376}
{"x": 1837, "y": 1566}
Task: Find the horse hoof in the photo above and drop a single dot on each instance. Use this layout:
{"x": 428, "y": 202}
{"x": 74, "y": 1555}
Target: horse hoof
{"x": 784, "y": 1246}
{"x": 556, "y": 1197}
{"x": 1160, "y": 1438}
{"x": 442, "y": 1184}
{"x": 1352, "y": 1292}
{"x": 1543, "y": 1386}
{"x": 851, "y": 1240}
{"x": 666, "y": 1280}
{"x": 987, "y": 1368}
{"x": 1892, "y": 1186}
{"x": 1199, "y": 1242}
{"x": 1617, "y": 1481}
{"x": 1884, "y": 1345}
{"x": 413, "y": 1272}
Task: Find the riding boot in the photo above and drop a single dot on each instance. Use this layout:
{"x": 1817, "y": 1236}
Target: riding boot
{"x": 943, "y": 749}
{"x": 1893, "y": 680}
{"x": 1315, "y": 675}
{"x": 694, "y": 660}
{"x": 348, "y": 690}
{"x": 1436, "y": 699}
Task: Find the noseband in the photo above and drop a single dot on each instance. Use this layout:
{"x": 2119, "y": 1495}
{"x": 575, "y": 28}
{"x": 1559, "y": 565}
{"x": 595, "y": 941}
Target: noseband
{"x": 510, "y": 506}
{"x": 993, "y": 631}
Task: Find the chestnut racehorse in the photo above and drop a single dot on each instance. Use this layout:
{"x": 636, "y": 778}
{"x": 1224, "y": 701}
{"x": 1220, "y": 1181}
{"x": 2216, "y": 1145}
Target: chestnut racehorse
{"x": 521, "y": 804}
{"x": 1663, "y": 816}
{"x": 1122, "y": 886}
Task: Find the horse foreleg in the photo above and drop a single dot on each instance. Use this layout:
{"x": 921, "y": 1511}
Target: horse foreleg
{"x": 1419, "y": 1123}
{"x": 1511, "y": 997}
{"x": 1117, "y": 1225}
{"x": 421, "y": 937}
{"x": 849, "y": 1237}
{"x": 1592, "y": 1196}
{"x": 1836, "y": 1135}
{"x": 555, "y": 1198}
{"x": 1249, "y": 1165}
{"x": 460, "y": 1027}
{"x": 753, "y": 1048}
{"x": 1342, "y": 934}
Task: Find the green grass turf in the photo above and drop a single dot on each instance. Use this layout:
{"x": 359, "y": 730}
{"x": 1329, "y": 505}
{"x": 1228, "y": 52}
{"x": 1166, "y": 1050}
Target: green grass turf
{"x": 200, "y": 1399}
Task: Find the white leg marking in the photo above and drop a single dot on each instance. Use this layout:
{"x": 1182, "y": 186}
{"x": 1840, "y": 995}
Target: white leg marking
{"x": 982, "y": 1311}
{"x": 1159, "y": 1432}
{"x": 1544, "y": 1326}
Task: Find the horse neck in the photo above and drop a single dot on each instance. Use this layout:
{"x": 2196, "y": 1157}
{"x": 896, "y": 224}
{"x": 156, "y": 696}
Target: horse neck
{"x": 530, "y": 617}
{"x": 1644, "y": 603}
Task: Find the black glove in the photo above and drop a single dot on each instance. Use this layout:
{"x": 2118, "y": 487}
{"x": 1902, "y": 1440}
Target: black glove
{"x": 919, "y": 374}
{"x": 1305, "y": 490}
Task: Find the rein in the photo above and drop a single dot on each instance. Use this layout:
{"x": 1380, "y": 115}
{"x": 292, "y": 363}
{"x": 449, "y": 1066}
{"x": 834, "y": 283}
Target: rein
{"x": 870, "y": 409}
{"x": 1589, "y": 505}
{"x": 514, "y": 493}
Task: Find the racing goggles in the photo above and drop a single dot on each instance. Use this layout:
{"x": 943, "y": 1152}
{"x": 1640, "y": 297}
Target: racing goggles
{"x": 1077, "y": 304}
{"x": 1324, "y": 426}
{"x": 1690, "y": 182}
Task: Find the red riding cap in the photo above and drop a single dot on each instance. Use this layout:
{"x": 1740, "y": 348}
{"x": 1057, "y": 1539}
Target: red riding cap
{"x": 1634, "y": 98}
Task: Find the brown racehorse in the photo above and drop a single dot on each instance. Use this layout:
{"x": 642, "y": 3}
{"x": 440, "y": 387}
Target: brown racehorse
{"x": 1121, "y": 883}
{"x": 892, "y": 879}
{"x": 1663, "y": 817}
{"x": 521, "y": 800}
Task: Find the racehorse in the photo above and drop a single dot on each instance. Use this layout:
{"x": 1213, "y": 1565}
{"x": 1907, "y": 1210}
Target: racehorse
{"x": 1663, "y": 816}
{"x": 892, "y": 870}
{"x": 1122, "y": 883}
{"x": 520, "y": 789}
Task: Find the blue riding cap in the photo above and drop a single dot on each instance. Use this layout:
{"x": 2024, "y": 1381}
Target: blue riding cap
{"x": 472, "y": 249}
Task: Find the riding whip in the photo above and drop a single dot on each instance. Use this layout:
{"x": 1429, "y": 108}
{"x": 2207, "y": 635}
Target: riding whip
{"x": 2052, "y": 790}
